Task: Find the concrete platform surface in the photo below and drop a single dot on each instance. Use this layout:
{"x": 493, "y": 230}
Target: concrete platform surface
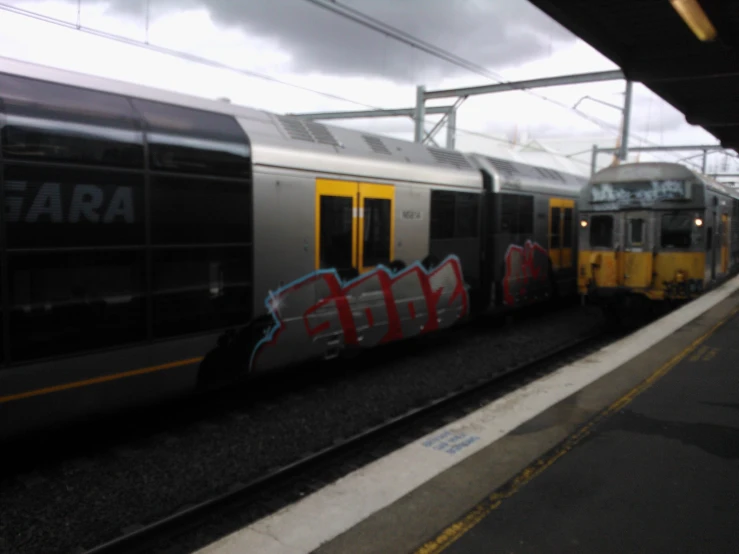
{"x": 658, "y": 473}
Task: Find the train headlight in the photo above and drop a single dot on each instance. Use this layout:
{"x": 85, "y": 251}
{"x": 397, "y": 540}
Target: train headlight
{"x": 583, "y": 223}
{"x": 698, "y": 222}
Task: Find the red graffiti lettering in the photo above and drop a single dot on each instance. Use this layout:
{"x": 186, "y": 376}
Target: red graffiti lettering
{"x": 524, "y": 265}
{"x": 375, "y": 308}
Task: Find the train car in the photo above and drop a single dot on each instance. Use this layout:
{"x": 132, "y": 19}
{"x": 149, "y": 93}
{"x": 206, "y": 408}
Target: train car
{"x": 654, "y": 233}
{"x": 154, "y": 242}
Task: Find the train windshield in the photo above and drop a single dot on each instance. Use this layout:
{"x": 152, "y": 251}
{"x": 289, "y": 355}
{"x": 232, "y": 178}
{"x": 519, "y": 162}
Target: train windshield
{"x": 677, "y": 230}
{"x": 601, "y": 231}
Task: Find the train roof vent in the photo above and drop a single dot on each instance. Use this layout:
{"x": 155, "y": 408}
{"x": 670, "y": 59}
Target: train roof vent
{"x": 376, "y": 144}
{"x": 295, "y": 128}
{"x": 446, "y": 157}
{"x": 549, "y": 173}
{"x": 503, "y": 166}
{"x": 321, "y": 133}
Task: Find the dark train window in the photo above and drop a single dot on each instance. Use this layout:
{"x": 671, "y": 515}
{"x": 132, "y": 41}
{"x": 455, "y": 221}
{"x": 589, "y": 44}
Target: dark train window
{"x": 442, "y": 214}
{"x": 517, "y": 214}
{"x": 601, "y": 231}
{"x": 467, "y": 215}
{"x": 636, "y": 232}
{"x": 376, "y": 236}
{"x": 197, "y": 289}
{"x": 336, "y": 237}
{"x": 63, "y": 207}
{"x": 567, "y": 232}
{"x": 65, "y": 302}
{"x": 194, "y": 141}
{"x": 554, "y": 225}
{"x": 677, "y": 230}
{"x": 53, "y": 122}
{"x": 197, "y": 211}
{"x": 195, "y": 155}
{"x": 454, "y": 215}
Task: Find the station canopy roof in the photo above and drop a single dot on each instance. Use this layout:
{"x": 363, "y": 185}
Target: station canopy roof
{"x": 653, "y": 45}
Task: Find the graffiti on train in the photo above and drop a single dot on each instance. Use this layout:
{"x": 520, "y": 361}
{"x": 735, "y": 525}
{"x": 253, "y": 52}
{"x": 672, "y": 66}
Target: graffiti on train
{"x": 526, "y": 271}
{"x": 320, "y": 312}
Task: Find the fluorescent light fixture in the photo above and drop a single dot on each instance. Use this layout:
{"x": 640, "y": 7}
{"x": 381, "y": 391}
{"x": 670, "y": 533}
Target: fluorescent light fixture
{"x": 695, "y": 18}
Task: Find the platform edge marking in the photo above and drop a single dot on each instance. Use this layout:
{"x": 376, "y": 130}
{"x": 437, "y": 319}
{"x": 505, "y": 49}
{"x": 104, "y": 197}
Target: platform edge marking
{"x": 459, "y": 528}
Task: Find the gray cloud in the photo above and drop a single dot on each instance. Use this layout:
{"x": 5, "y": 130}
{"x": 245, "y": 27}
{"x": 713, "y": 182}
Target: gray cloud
{"x": 490, "y": 33}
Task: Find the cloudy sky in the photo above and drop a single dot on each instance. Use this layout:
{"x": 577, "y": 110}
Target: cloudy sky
{"x": 301, "y": 43}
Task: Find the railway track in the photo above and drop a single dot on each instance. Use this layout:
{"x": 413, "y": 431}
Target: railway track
{"x": 196, "y": 525}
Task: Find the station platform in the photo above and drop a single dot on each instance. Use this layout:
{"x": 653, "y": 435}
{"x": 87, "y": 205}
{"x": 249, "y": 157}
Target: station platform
{"x": 634, "y": 448}
{"x": 659, "y": 472}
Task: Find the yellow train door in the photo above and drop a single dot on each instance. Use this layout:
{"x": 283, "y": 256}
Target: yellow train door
{"x": 376, "y": 225}
{"x": 561, "y": 232}
{"x": 355, "y": 225}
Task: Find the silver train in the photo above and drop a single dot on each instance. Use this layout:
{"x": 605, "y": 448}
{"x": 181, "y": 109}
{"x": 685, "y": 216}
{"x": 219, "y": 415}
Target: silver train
{"x": 154, "y": 243}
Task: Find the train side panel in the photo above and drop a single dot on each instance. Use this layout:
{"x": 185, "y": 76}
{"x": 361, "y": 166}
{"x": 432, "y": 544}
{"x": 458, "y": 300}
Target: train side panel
{"x": 534, "y": 251}
{"x": 126, "y": 248}
{"x": 366, "y": 284}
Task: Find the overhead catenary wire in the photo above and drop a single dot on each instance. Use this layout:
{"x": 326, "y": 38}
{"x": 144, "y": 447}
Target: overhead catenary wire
{"x": 406, "y": 38}
{"x": 210, "y": 62}
{"x": 201, "y": 60}
{"x": 251, "y": 73}
{"x": 388, "y": 30}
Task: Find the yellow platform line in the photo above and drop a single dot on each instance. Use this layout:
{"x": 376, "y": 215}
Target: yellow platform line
{"x": 455, "y": 531}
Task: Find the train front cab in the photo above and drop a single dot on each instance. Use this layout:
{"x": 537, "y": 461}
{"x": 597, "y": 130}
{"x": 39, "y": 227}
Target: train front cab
{"x": 643, "y": 253}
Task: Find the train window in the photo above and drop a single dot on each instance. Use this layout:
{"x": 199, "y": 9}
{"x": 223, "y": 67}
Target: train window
{"x": 517, "y": 214}
{"x": 601, "y": 231}
{"x": 197, "y": 211}
{"x": 509, "y": 213}
{"x": 442, "y": 215}
{"x": 526, "y": 215}
{"x": 194, "y": 141}
{"x": 63, "y": 302}
{"x": 376, "y": 236}
{"x": 677, "y": 230}
{"x": 168, "y": 118}
{"x": 554, "y": 225}
{"x": 568, "y": 231}
{"x": 54, "y": 122}
{"x": 202, "y": 156}
{"x": 47, "y": 206}
{"x": 197, "y": 289}
{"x": 466, "y": 215}
{"x": 336, "y": 237}
{"x": 636, "y": 232}
{"x": 454, "y": 215}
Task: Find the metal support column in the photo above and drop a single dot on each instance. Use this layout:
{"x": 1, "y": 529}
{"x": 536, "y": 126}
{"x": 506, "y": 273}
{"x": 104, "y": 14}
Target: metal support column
{"x": 705, "y": 162}
{"x": 420, "y": 113}
{"x": 627, "y": 120}
{"x": 451, "y": 129}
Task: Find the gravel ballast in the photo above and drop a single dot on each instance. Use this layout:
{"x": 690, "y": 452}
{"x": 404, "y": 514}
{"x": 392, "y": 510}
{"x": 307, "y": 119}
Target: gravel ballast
{"x": 83, "y": 502}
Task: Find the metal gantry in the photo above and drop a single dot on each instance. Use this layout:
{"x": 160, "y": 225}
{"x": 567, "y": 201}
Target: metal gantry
{"x": 419, "y": 112}
{"x": 461, "y": 94}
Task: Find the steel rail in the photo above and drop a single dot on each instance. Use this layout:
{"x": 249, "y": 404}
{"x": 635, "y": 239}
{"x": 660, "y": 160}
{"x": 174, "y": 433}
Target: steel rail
{"x": 146, "y": 536}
